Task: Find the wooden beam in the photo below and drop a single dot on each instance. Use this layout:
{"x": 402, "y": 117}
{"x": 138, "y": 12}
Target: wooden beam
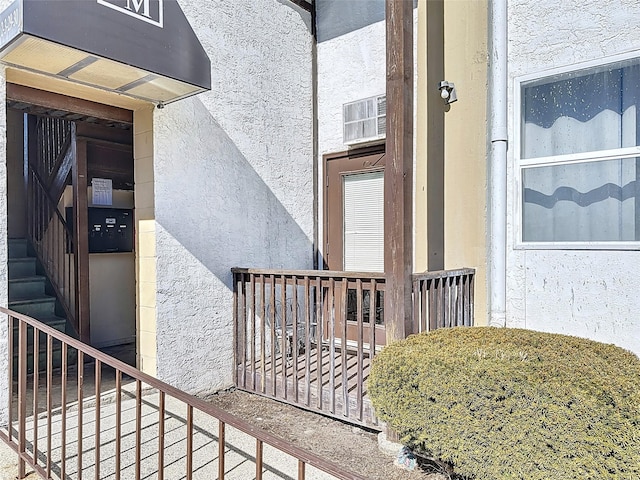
{"x": 398, "y": 181}
{"x": 55, "y": 101}
{"x": 81, "y": 229}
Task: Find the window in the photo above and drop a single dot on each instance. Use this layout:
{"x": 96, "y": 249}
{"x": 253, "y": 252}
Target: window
{"x": 363, "y": 219}
{"x": 579, "y": 157}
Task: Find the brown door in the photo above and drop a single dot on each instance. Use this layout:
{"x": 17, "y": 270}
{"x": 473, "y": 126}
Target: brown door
{"x": 353, "y": 233}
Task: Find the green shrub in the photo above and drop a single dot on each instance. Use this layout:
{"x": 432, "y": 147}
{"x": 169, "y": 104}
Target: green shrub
{"x": 513, "y": 404}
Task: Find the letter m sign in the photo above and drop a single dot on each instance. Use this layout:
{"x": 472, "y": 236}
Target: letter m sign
{"x": 150, "y": 11}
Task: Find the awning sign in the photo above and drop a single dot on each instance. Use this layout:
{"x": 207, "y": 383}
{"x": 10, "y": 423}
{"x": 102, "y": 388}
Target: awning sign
{"x": 10, "y": 23}
{"x": 142, "y": 48}
{"x": 150, "y": 11}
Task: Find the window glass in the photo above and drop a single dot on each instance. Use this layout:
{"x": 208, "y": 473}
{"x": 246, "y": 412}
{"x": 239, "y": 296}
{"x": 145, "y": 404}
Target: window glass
{"x": 594, "y": 201}
{"x": 586, "y": 111}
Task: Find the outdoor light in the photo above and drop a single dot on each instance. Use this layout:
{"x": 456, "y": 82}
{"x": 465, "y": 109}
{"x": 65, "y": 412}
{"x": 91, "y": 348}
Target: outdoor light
{"x": 447, "y": 92}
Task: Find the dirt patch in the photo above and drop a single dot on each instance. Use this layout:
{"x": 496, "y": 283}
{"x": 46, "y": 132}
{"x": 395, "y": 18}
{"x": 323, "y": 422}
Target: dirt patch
{"x": 354, "y": 448}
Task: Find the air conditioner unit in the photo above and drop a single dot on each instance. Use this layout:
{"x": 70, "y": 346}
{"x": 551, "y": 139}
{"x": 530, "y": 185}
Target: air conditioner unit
{"x": 364, "y": 120}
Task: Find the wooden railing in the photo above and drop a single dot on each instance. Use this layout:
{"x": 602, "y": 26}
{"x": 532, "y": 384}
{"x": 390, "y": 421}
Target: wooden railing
{"x": 61, "y": 424}
{"x": 53, "y": 242}
{"x": 443, "y": 299}
{"x": 50, "y": 161}
{"x": 53, "y": 136}
{"x": 308, "y": 337}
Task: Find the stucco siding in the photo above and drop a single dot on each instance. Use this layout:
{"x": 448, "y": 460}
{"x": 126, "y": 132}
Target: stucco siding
{"x": 350, "y": 67}
{"x": 233, "y": 172}
{"x": 577, "y": 292}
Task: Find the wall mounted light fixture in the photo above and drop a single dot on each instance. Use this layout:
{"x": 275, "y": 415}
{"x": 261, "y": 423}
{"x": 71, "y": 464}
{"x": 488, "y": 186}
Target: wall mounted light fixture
{"x": 447, "y": 92}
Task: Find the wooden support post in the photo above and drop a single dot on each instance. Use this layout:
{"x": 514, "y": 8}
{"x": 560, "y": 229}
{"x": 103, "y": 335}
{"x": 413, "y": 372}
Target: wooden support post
{"x": 80, "y": 217}
{"x": 398, "y": 182}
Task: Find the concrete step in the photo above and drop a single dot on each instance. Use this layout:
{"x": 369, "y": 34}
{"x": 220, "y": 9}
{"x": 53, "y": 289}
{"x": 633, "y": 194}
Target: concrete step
{"x": 26, "y": 287}
{"x": 39, "y": 307}
{"x": 20, "y": 267}
{"x": 17, "y": 248}
{"x": 56, "y": 359}
{"x": 57, "y": 323}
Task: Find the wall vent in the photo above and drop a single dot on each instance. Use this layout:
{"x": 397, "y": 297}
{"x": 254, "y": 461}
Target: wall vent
{"x": 364, "y": 120}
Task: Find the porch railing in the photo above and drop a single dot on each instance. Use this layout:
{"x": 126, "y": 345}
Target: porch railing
{"x": 125, "y": 433}
{"x": 308, "y": 337}
{"x": 443, "y": 299}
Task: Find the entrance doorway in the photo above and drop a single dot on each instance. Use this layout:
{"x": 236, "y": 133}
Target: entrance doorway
{"x": 354, "y": 229}
{"x": 70, "y": 216}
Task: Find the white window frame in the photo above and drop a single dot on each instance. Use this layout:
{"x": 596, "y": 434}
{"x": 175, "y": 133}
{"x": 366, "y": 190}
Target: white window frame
{"x": 583, "y": 157}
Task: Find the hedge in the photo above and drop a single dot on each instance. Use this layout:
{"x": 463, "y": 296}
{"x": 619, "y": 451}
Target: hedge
{"x": 513, "y": 404}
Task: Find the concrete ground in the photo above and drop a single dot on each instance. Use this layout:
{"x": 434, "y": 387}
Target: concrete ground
{"x": 9, "y": 464}
{"x": 239, "y": 455}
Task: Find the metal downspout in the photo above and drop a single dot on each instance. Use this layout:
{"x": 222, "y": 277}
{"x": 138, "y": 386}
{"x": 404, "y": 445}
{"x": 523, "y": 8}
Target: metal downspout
{"x": 498, "y": 162}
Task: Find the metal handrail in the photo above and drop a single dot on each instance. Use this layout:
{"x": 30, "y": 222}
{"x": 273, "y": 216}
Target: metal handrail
{"x": 304, "y": 457}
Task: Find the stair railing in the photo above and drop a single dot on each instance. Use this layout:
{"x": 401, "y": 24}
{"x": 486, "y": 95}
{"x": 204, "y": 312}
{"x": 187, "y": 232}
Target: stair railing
{"x": 50, "y": 235}
{"x": 158, "y": 429}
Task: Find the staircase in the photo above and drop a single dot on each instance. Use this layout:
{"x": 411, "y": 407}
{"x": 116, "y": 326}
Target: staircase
{"x": 28, "y": 295}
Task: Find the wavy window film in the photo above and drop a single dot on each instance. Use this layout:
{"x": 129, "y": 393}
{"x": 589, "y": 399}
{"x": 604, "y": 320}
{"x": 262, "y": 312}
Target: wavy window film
{"x": 584, "y": 202}
{"x": 583, "y": 113}
{"x": 575, "y": 123}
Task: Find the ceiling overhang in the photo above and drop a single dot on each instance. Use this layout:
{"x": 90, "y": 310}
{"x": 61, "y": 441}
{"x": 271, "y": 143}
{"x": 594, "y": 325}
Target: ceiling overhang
{"x": 144, "y": 49}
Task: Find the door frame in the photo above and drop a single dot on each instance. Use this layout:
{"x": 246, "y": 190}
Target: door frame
{"x": 335, "y": 167}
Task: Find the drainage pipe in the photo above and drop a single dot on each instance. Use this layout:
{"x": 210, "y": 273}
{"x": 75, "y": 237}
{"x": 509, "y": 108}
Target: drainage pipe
{"x": 497, "y": 161}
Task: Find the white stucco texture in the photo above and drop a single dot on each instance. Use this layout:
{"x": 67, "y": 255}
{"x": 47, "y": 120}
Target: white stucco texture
{"x": 578, "y": 292}
{"x": 350, "y": 67}
{"x": 233, "y": 172}
{"x": 567, "y": 293}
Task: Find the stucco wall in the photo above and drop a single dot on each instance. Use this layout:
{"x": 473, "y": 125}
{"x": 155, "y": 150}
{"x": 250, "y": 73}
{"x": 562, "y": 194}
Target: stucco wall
{"x": 585, "y": 293}
{"x": 350, "y": 67}
{"x": 233, "y": 172}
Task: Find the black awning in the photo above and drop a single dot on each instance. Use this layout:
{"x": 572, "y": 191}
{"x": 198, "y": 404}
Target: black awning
{"x": 143, "y": 48}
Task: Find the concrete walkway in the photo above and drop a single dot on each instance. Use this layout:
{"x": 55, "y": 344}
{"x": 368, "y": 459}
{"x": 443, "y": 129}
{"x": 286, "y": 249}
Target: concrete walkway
{"x": 239, "y": 454}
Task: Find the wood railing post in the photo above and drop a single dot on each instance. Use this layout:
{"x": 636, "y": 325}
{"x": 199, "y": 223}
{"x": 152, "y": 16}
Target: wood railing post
{"x": 398, "y": 175}
{"x": 81, "y": 229}
{"x": 236, "y": 327}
